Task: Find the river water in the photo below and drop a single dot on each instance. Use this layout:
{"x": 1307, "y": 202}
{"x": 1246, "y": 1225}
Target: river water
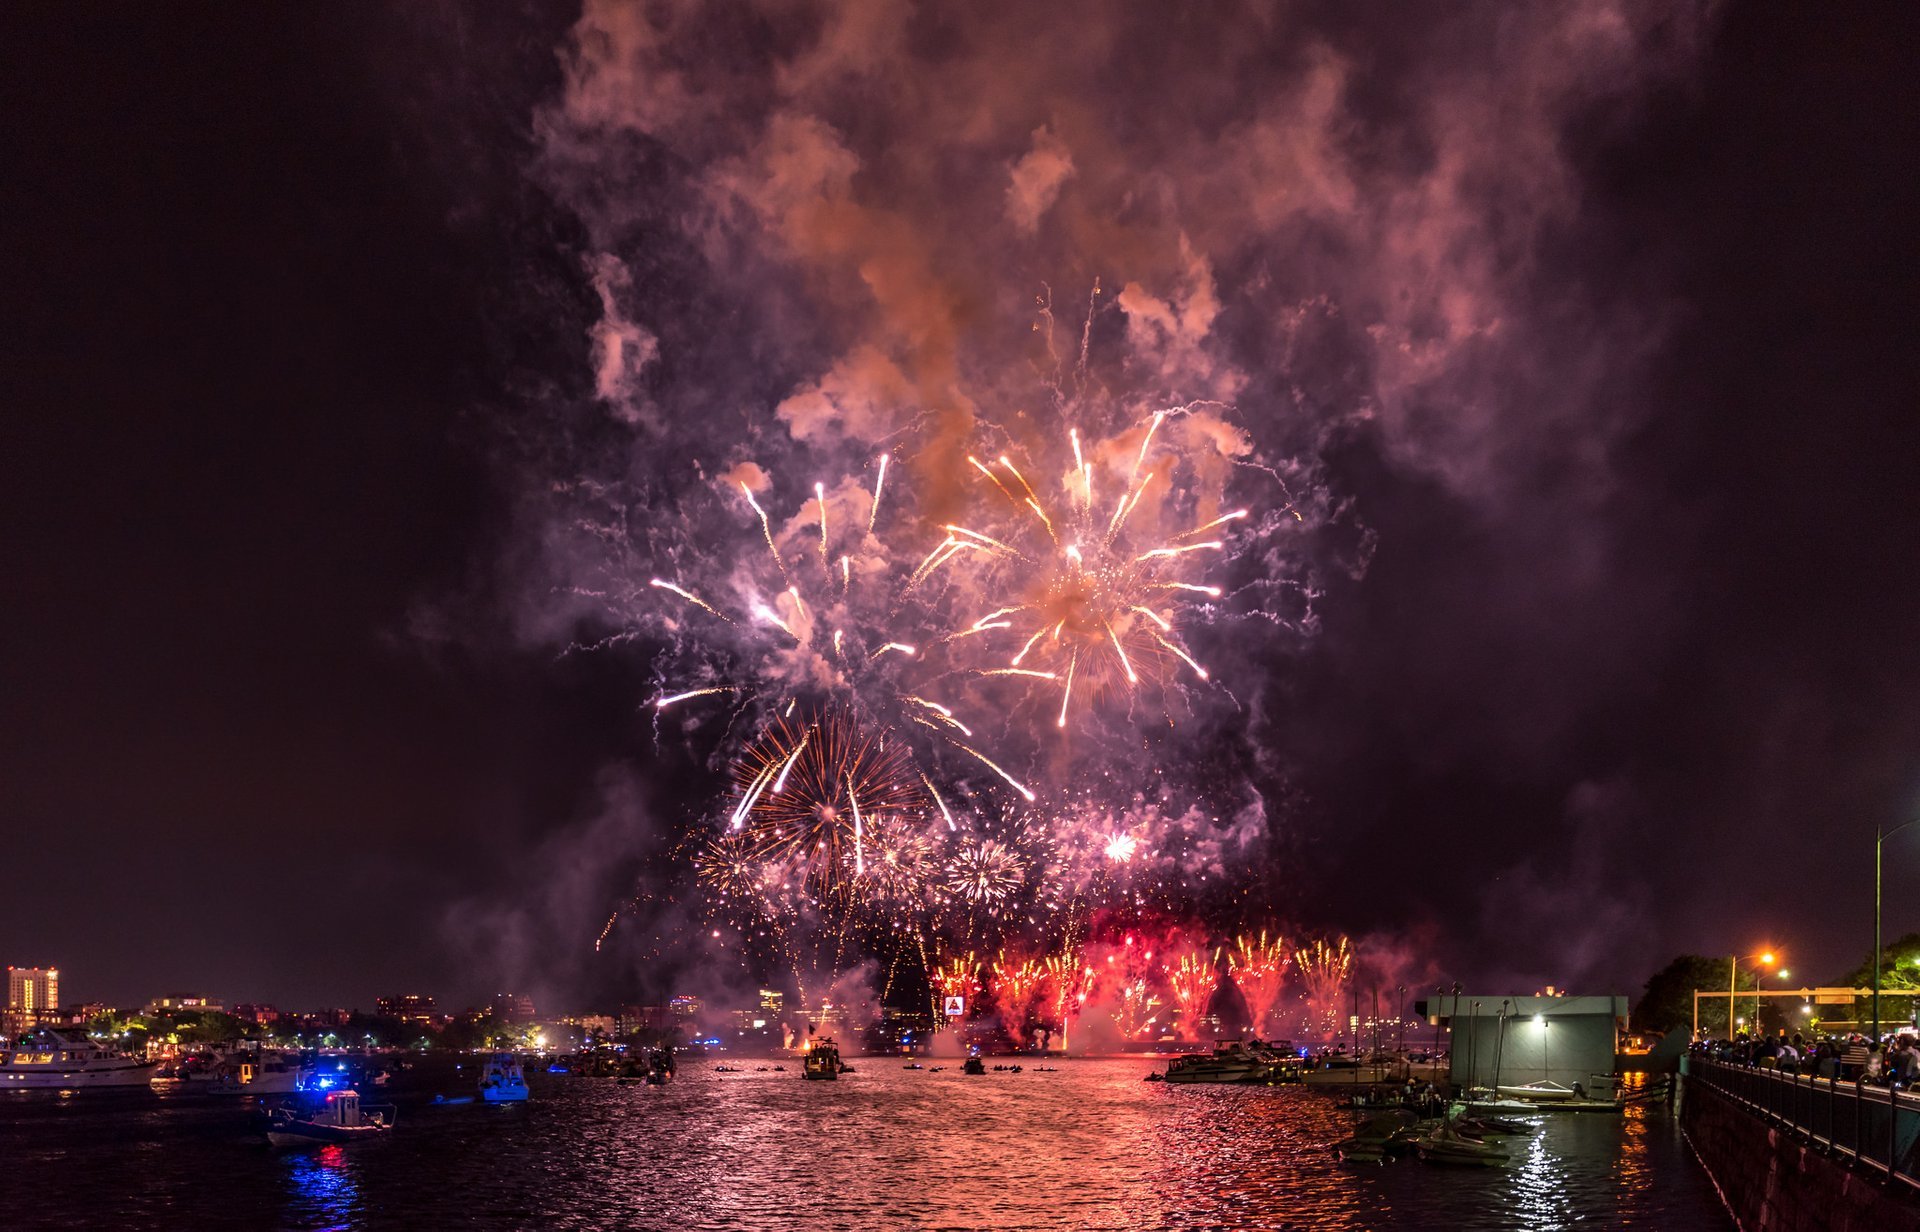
{"x": 1089, "y": 1146}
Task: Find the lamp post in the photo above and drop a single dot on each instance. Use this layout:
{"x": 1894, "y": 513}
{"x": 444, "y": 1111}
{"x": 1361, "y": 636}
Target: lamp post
{"x": 1733, "y": 971}
{"x": 1879, "y": 838}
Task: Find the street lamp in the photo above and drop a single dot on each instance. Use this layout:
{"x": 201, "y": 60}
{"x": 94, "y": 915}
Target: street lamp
{"x": 1765, "y": 958}
{"x": 1879, "y": 838}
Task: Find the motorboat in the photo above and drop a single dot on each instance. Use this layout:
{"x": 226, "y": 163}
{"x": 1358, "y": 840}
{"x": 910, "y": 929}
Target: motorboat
{"x": 1446, "y": 1145}
{"x": 1538, "y": 1092}
{"x": 974, "y": 1065}
{"x": 822, "y": 1061}
{"x": 660, "y": 1067}
{"x": 502, "y": 1081}
{"x": 1234, "y": 1061}
{"x": 242, "y": 1071}
{"x": 338, "y": 1119}
{"x": 46, "y": 1059}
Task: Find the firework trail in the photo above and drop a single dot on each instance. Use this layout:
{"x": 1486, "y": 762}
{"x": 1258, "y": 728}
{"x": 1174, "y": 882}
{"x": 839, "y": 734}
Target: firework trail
{"x": 1070, "y": 981}
{"x": 1258, "y": 966}
{"x": 1191, "y": 976}
{"x": 1130, "y": 972}
{"x": 1015, "y": 981}
{"x": 1323, "y": 970}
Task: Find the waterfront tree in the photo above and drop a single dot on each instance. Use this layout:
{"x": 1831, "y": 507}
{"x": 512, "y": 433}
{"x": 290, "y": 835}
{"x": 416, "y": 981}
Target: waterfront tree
{"x": 1667, "y": 1003}
{"x": 1899, "y": 980}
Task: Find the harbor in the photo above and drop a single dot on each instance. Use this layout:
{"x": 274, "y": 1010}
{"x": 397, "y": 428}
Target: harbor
{"x": 1082, "y": 1143}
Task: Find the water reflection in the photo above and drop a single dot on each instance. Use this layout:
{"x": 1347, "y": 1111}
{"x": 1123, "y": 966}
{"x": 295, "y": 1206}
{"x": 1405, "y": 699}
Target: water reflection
{"x": 324, "y": 1188}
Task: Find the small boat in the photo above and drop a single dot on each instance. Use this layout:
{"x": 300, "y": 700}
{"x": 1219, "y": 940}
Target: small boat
{"x": 1234, "y": 1061}
{"x": 660, "y": 1067}
{"x": 913, "y": 1065}
{"x": 339, "y": 1119}
{"x": 441, "y": 1101}
{"x": 822, "y": 1061}
{"x": 974, "y": 1065}
{"x": 1537, "y": 1092}
{"x": 501, "y": 1080}
{"x": 1445, "y": 1145}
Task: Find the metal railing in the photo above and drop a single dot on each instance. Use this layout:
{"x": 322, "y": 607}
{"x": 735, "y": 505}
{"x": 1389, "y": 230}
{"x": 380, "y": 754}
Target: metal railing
{"x": 1870, "y": 1127}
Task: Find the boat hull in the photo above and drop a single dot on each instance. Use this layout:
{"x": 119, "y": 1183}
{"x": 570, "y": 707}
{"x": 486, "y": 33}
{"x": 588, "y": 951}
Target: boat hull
{"x": 1535, "y": 1095}
{"x": 123, "y": 1076}
{"x": 321, "y": 1135}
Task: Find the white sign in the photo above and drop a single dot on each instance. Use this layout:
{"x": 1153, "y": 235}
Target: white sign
{"x": 956, "y": 1007}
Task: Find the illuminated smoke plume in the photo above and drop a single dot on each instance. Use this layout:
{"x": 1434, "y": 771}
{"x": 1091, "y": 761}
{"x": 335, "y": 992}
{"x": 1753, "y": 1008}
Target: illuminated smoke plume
{"x": 909, "y": 542}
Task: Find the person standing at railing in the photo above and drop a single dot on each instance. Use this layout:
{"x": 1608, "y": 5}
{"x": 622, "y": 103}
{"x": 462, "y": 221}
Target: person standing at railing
{"x": 1854, "y": 1057}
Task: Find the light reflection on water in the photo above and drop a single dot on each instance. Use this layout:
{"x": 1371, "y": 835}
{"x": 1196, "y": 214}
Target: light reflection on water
{"x": 1088, "y": 1147}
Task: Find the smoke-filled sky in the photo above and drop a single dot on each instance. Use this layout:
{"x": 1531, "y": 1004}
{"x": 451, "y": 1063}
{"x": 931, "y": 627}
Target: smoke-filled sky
{"x": 362, "y": 372}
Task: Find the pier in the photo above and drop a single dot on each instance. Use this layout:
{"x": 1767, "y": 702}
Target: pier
{"x": 1797, "y": 1153}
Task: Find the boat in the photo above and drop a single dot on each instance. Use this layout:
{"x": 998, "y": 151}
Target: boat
{"x": 502, "y": 1081}
{"x": 974, "y": 1065}
{"x": 913, "y": 1065}
{"x": 822, "y": 1061}
{"x": 338, "y": 1119}
{"x": 1537, "y": 1092}
{"x": 1446, "y": 1145}
{"x": 46, "y": 1059}
{"x": 240, "y": 1071}
{"x": 660, "y": 1067}
{"x": 1234, "y": 1061}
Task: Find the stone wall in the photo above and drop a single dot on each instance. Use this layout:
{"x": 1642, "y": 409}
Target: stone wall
{"x": 1775, "y": 1183}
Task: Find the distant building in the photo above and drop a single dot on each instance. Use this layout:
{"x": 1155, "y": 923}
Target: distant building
{"x": 264, "y": 1015}
{"x": 1512, "y": 1041}
{"x": 771, "y": 1002}
{"x": 684, "y": 1010}
{"x": 33, "y": 994}
{"x": 511, "y": 1007}
{"x": 186, "y": 1003}
{"x": 408, "y": 1007}
{"x": 633, "y": 1019}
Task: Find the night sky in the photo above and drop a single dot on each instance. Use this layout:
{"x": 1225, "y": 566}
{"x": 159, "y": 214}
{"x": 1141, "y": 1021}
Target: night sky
{"x": 1594, "y": 336}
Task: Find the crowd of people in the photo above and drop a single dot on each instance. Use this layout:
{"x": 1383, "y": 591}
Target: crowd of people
{"x": 1849, "y": 1058}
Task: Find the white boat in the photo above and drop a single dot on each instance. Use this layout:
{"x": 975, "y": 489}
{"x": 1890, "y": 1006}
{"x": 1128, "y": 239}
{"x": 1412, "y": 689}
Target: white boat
{"x": 1231, "y": 1062}
{"x": 245, "y": 1071}
{"x": 1537, "y": 1092}
{"x": 46, "y": 1059}
{"x": 503, "y": 1081}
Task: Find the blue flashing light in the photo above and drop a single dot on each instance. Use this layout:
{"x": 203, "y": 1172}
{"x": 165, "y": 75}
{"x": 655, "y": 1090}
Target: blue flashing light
{"x": 341, "y": 1066}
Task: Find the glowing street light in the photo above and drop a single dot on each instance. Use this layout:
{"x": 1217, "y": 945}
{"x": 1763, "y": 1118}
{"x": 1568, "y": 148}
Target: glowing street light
{"x": 1879, "y": 839}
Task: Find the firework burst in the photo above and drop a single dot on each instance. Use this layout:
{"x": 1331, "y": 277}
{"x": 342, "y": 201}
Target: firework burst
{"x": 1192, "y": 976}
{"x": 1324, "y": 967}
{"x": 1258, "y": 965}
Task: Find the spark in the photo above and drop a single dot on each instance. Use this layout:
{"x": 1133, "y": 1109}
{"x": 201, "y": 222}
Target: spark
{"x": 1209, "y": 545}
{"x": 820, "y": 495}
{"x": 780, "y": 784}
{"x": 766, "y": 528}
{"x": 664, "y": 702}
{"x": 879, "y": 486}
{"x": 859, "y": 831}
{"x": 1212, "y": 592}
{"x": 1120, "y": 848}
{"x": 902, "y": 647}
{"x": 1067, "y": 692}
{"x": 1222, "y": 520}
{"x": 1020, "y": 671}
{"x": 1165, "y": 625}
{"x": 938, "y": 801}
{"x": 1141, "y": 457}
{"x": 773, "y": 618}
{"x": 1122, "y": 652}
{"x": 1016, "y": 784}
{"x": 986, "y": 539}
{"x": 1029, "y": 646}
{"x": 1184, "y": 657}
{"x": 688, "y": 595}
